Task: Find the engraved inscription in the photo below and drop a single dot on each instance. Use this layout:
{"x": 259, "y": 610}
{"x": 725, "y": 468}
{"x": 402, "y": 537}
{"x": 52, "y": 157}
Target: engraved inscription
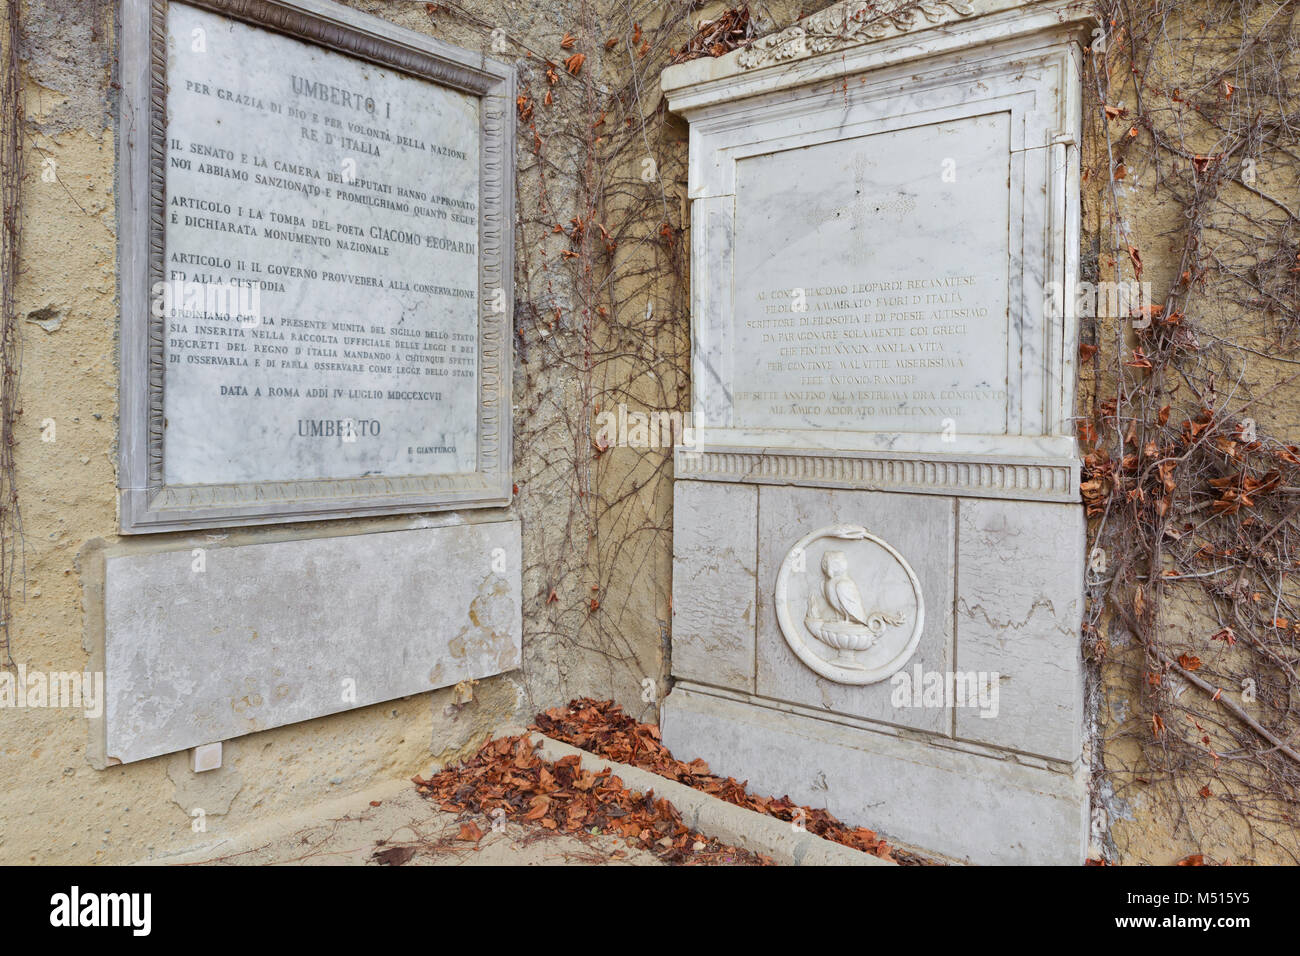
{"x": 320, "y": 263}
{"x": 872, "y": 282}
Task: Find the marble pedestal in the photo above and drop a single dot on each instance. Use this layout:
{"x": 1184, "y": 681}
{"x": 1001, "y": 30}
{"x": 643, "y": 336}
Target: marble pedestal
{"x": 993, "y": 777}
{"x": 878, "y": 540}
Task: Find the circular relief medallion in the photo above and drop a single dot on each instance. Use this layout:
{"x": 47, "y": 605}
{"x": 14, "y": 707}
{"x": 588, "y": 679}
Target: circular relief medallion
{"x": 849, "y": 605}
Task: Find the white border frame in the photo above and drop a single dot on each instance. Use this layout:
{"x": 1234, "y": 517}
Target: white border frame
{"x": 146, "y": 502}
{"x": 1026, "y": 61}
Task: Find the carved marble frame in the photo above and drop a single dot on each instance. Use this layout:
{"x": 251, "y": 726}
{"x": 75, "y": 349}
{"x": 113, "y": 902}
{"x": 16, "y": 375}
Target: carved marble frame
{"x": 146, "y": 502}
{"x": 1025, "y": 60}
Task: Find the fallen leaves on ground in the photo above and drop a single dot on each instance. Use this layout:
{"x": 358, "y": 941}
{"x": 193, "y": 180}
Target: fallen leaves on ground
{"x": 601, "y": 727}
{"x": 729, "y": 31}
{"x": 507, "y": 775}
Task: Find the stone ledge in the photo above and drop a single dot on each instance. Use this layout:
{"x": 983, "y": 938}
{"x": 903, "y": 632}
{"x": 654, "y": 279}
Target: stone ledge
{"x": 970, "y": 808}
{"x": 719, "y": 819}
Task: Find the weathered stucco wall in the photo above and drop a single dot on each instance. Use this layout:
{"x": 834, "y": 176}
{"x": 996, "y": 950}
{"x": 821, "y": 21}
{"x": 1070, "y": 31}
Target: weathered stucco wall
{"x": 55, "y": 807}
{"x": 600, "y": 321}
{"x": 1195, "y": 116}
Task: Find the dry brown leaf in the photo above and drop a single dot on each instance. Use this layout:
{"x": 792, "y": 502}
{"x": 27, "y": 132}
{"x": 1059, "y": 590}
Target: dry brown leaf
{"x": 393, "y": 856}
{"x": 470, "y": 832}
{"x": 1136, "y": 258}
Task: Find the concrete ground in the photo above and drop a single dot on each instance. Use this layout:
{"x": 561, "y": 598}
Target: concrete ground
{"x": 349, "y": 831}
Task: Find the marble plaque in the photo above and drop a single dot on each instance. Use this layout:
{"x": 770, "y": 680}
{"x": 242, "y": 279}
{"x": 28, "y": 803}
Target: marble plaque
{"x": 884, "y": 210}
{"x": 882, "y": 240}
{"x": 207, "y": 644}
{"x": 315, "y": 247}
{"x": 871, "y": 278}
{"x": 347, "y": 197}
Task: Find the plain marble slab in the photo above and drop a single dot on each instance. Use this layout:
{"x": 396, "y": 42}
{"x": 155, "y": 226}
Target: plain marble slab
{"x": 967, "y": 806}
{"x": 209, "y": 644}
{"x": 1020, "y": 568}
{"x": 715, "y": 561}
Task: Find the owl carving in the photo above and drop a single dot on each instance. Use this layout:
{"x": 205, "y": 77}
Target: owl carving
{"x": 847, "y": 635}
{"x": 841, "y": 593}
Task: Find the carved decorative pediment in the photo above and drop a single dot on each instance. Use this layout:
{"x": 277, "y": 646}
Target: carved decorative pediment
{"x": 848, "y": 24}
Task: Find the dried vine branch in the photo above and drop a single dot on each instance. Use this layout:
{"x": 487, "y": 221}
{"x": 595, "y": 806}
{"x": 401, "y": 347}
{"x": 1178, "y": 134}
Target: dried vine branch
{"x": 1187, "y": 463}
{"x": 600, "y": 321}
{"x": 11, "y": 177}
